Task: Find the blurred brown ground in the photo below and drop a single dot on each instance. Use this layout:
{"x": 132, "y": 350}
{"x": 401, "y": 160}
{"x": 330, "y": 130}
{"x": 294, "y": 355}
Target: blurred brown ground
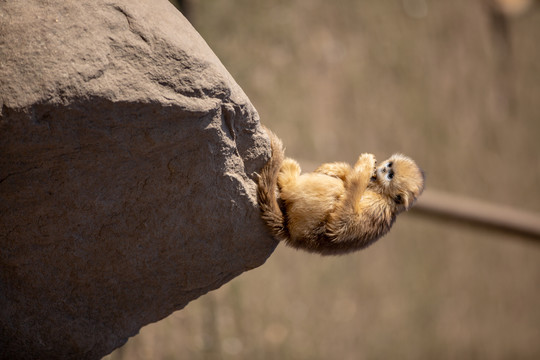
{"x": 445, "y": 82}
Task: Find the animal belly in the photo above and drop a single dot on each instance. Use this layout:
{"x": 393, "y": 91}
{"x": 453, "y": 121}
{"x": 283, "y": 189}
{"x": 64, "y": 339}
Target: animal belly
{"x": 310, "y": 201}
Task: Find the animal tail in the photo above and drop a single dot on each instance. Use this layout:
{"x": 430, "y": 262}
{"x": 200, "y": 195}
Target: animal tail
{"x": 267, "y": 190}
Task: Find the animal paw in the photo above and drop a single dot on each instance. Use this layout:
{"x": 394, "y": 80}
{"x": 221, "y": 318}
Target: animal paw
{"x": 366, "y": 163}
{"x": 290, "y": 166}
{"x": 288, "y": 173}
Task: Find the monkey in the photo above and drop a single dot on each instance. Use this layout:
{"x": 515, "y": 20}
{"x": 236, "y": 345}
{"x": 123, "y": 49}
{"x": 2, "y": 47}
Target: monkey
{"x": 337, "y": 208}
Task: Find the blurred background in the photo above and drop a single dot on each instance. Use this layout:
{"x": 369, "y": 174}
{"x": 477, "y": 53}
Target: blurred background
{"x": 453, "y": 84}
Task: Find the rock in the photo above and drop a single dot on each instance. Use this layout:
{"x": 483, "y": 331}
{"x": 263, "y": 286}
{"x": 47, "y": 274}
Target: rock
{"x": 127, "y": 163}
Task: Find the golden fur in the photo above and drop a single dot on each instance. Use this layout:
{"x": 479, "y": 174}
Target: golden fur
{"x": 337, "y": 208}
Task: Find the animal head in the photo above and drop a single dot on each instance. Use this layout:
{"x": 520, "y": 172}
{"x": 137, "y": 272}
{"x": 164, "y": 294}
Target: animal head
{"x": 400, "y": 180}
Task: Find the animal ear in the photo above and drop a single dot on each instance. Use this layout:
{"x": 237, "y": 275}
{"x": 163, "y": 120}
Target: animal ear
{"x": 403, "y": 200}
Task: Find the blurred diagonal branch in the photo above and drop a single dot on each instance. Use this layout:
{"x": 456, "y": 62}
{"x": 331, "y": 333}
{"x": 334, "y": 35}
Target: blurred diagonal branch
{"x": 477, "y": 212}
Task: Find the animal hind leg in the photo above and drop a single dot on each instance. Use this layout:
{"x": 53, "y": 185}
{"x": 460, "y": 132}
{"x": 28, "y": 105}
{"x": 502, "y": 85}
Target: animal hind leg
{"x": 336, "y": 169}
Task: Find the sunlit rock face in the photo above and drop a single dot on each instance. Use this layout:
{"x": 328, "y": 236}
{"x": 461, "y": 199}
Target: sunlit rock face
{"x": 127, "y": 163}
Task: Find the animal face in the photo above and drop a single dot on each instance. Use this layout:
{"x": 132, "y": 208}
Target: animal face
{"x": 400, "y": 179}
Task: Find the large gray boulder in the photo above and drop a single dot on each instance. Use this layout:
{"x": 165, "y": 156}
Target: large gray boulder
{"x": 127, "y": 163}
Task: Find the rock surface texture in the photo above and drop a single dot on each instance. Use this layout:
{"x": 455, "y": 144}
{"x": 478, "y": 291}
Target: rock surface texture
{"x": 127, "y": 163}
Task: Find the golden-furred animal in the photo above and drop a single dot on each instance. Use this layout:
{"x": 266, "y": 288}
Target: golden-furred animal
{"x": 337, "y": 208}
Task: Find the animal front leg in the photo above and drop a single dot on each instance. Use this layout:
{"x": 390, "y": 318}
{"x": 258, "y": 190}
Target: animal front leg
{"x": 344, "y": 221}
{"x": 358, "y": 180}
{"x": 366, "y": 164}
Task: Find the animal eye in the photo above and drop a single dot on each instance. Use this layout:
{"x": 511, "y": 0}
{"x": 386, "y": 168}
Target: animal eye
{"x": 398, "y": 199}
{"x": 390, "y": 164}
